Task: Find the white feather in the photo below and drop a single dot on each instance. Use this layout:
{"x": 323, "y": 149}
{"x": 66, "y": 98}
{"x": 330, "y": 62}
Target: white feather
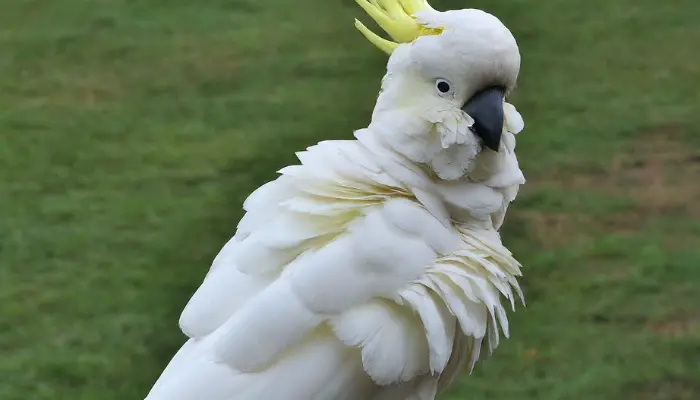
{"x": 394, "y": 348}
{"x": 274, "y": 320}
{"x": 438, "y": 324}
{"x": 375, "y": 258}
{"x": 222, "y": 293}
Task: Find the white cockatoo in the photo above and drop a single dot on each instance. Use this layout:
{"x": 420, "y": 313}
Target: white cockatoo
{"x": 373, "y": 270}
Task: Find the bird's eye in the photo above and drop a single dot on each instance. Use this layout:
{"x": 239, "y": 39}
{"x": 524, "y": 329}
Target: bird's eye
{"x": 443, "y": 86}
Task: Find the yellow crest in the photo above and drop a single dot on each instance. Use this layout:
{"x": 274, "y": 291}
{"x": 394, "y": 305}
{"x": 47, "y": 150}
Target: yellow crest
{"x": 395, "y": 17}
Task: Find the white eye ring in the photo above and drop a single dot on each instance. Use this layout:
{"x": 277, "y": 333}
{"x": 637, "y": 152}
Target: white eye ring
{"x": 443, "y": 87}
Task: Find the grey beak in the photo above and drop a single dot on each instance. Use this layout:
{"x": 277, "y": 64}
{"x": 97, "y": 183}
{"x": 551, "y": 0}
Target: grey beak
{"x": 486, "y": 107}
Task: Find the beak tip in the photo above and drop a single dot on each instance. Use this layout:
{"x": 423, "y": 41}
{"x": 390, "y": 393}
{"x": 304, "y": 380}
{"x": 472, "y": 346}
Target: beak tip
{"x": 491, "y": 142}
{"x": 494, "y": 146}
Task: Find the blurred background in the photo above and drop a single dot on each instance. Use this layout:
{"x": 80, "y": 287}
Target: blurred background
{"x": 131, "y": 132}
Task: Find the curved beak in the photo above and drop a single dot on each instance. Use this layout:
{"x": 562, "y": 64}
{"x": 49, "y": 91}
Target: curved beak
{"x": 486, "y": 108}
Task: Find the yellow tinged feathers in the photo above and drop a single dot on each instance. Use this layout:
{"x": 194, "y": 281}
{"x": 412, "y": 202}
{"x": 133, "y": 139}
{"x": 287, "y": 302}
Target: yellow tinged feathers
{"x": 384, "y": 45}
{"x": 397, "y": 18}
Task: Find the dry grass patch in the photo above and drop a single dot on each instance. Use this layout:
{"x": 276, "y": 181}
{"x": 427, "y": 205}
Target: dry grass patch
{"x": 683, "y": 324}
{"x": 659, "y": 173}
{"x": 552, "y": 230}
{"x": 665, "y": 390}
{"x": 200, "y": 57}
{"x": 74, "y": 86}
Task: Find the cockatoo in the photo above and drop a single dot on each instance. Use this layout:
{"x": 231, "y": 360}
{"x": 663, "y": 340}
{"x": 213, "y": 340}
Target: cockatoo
{"x": 374, "y": 269}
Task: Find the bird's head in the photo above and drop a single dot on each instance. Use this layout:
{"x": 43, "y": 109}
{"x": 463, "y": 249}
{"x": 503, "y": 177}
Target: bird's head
{"x": 443, "y": 98}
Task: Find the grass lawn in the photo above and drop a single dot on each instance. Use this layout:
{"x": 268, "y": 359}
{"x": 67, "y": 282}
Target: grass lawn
{"x": 131, "y": 132}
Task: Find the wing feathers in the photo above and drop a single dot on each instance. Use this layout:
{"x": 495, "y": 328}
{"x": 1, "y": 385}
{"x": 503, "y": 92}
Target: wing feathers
{"x": 354, "y": 267}
{"x": 394, "y": 348}
{"x": 438, "y": 324}
{"x": 374, "y": 259}
{"x": 269, "y": 324}
{"x": 223, "y": 291}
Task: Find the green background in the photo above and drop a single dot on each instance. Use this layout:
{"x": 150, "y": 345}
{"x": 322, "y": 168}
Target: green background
{"x": 131, "y": 132}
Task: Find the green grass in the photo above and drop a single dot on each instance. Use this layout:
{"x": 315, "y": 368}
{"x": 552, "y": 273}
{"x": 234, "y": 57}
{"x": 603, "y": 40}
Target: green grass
{"x": 131, "y": 131}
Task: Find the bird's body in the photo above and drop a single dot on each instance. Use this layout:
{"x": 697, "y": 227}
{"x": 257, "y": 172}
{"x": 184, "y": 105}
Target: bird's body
{"x": 373, "y": 270}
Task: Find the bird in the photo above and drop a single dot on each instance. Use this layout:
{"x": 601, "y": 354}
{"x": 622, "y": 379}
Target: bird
{"x": 374, "y": 268}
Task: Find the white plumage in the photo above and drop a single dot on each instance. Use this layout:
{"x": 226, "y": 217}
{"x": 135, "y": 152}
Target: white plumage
{"x": 371, "y": 271}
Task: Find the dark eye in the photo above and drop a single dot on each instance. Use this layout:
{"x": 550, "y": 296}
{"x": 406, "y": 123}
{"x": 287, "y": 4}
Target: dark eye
{"x": 442, "y": 86}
